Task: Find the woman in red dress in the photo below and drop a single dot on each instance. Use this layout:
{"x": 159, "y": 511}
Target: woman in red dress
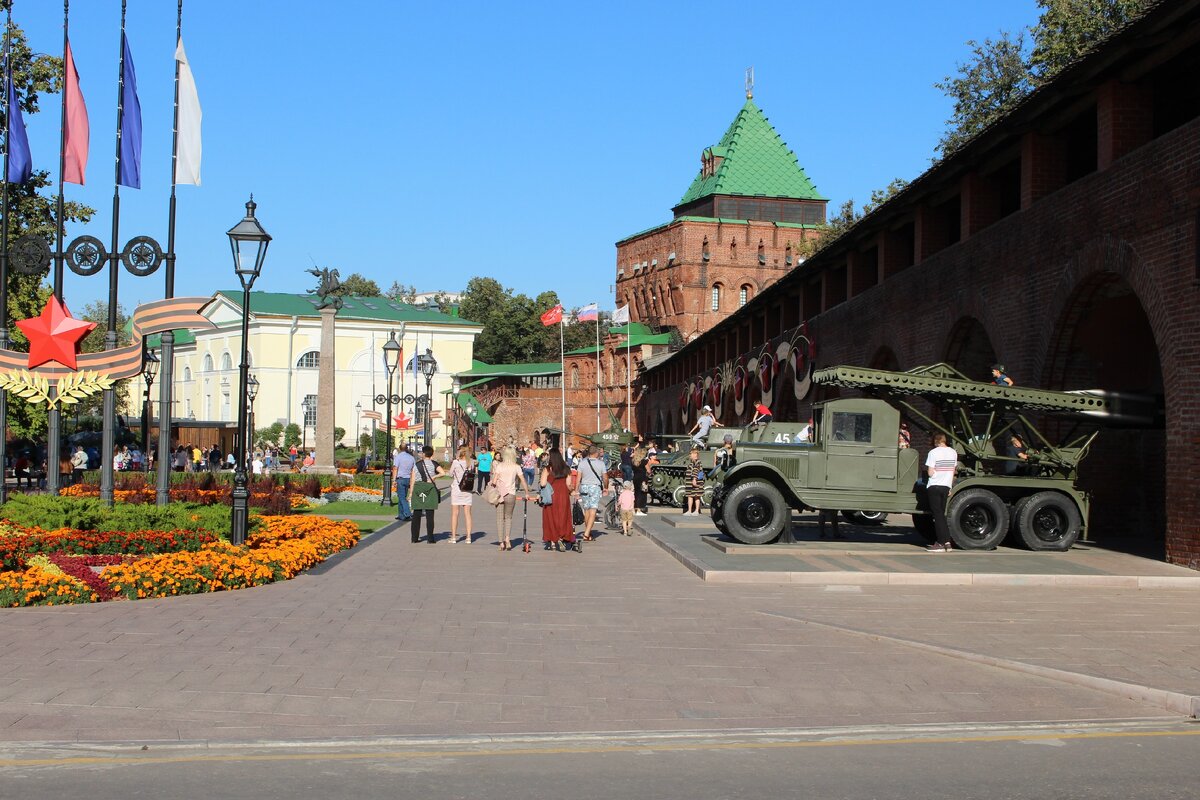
{"x": 556, "y": 517}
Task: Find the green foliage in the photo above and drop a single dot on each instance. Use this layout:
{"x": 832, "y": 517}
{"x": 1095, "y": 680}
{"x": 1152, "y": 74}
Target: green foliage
{"x": 364, "y": 441}
{"x": 1001, "y": 71}
{"x": 291, "y": 435}
{"x": 357, "y": 285}
{"x": 382, "y": 445}
{"x": 88, "y": 514}
{"x": 338, "y": 434}
{"x": 31, "y": 213}
{"x": 401, "y": 293}
{"x": 847, "y": 217}
{"x": 513, "y": 332}
{"x": 270, "y": 434}
{"x": 1069, "y": 28}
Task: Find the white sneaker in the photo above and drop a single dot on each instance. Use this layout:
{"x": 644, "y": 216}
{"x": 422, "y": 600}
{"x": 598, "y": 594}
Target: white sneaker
{"x": 640, "y": 514}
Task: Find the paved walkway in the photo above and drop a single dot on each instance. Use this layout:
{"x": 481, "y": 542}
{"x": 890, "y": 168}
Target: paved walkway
{"x": 394, "y": 638}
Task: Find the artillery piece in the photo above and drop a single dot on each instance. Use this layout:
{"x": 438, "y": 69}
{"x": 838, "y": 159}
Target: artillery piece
{"x": 854, "y": 461}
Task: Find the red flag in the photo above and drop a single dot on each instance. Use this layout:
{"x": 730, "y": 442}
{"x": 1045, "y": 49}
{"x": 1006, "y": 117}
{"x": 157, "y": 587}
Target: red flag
{"x": 75, "y": 125}
{"x": 553, "y": 316}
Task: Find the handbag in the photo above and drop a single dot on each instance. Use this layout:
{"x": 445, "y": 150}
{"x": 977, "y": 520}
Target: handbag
{"x": 576, "y": 513}
{"x": 546, "y": 495}
{"x": 425, "y": 494}
{"x": 491, "y": 496}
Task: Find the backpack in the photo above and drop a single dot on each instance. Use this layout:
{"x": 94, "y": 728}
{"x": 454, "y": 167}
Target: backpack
{"x": 467, "y": 482}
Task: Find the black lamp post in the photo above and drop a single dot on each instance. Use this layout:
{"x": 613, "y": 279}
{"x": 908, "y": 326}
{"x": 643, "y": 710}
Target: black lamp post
{"x": 428, "y": 366}
{"x": 249, "y": 243}
{"x": 149, "y": 372}
{"x": 391, "y": 360}
{"x": 251, "y": 393}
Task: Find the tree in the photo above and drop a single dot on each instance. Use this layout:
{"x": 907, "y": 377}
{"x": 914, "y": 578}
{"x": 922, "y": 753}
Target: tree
{"x": 1069, "y": 28}
{"x": 987, "y": 85}
{"x": 356, "y": 285}
{"x": 338, "y": 435}
{"x": 401, "y": 293}
{"x": 291, "y": 435}
{"x": 31, "y": 213}
{"x": 270, "y": 434}
{"x": 846, "y": 218}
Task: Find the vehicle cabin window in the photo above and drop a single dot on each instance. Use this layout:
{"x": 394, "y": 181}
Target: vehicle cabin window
{"x": 850, "y": 427}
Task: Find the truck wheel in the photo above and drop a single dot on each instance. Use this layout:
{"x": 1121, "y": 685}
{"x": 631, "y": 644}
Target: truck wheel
{"x": 923, "y": 525}
{"x": 706, "y": 498}
{"x": 977, "y": 518}
{"x": 755, "y": 512}
{"x": 1048, "y": 521}
{"x": 865, "y": 517}
{"x": 1014, "y": 535}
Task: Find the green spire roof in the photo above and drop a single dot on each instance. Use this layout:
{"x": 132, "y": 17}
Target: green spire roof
{"x": 755, "y": 162}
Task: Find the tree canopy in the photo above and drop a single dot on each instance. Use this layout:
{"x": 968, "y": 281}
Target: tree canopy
{"x": 1000, "y": 72}
{"x": 358, "y": 285}
{"x": 513, "y": 332}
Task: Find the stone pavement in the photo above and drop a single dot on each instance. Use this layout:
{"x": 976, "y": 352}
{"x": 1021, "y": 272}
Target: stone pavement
{"x": 893, "y": 554}
{"x": 394, "y": 638}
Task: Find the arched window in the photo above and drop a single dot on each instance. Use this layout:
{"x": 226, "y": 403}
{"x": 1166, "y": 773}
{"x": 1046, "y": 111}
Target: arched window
{"x": 187, "y": 373}
{"x": 574, "y": 376}
{"x": 310, "y": 360}
{"x": 715, "y": 303}
{"x": 733, "y": 250}
{"x": 743, "y": 294}
{"x": 208, "y": 363}
{"x": 226, "y": 361}
{"x": 762, "y": 252}
{"x": 705, "y": 253}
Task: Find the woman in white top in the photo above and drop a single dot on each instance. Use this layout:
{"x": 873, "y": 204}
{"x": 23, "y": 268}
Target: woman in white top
{"x": 506, "y": 476}
{"x": 460, "y": 499}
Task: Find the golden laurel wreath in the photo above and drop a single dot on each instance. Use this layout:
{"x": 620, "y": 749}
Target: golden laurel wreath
{"x": 68, "y": 390}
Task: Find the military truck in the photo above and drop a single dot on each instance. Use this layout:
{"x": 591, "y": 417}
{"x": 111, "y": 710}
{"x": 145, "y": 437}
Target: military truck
{"x": 853, "y": 460}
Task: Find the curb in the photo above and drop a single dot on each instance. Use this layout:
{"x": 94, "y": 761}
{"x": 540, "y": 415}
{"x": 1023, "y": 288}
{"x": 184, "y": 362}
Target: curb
{"x": 1175, "y": 702}
{"x": 983, "y": 579}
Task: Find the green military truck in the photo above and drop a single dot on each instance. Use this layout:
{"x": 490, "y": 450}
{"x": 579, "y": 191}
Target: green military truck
{"x": 851, "y": 459}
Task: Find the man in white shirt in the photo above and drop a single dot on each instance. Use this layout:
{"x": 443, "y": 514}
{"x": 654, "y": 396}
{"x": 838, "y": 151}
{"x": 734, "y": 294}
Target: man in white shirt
{"x": 940, "y": 465}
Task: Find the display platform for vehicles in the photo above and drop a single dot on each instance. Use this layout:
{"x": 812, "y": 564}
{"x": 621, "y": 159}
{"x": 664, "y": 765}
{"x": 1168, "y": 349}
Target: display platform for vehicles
{"x": 894, "y": 554}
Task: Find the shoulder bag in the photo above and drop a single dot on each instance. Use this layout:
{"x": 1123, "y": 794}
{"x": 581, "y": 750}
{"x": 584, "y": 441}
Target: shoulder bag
{"x": 546, "y": 496}
{"x": 425, "y": 494}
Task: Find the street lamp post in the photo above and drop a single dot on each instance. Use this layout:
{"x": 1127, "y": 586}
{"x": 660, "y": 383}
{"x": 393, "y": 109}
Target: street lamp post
{"x": 149, "y": 372}
{"x": 251, "y": 393}
{"x": 391, "y": 361}
{"x": 455, "y": 387}
{"x": 474, "y": 427}
{"x": 428, "y": 366}
{"x": 249, "y": 242}
{"x": 358, "y": 427}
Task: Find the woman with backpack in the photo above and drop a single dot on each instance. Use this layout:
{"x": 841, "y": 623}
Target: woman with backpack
{"x": 556, "y": 516}
{"x": 460, "y": 499}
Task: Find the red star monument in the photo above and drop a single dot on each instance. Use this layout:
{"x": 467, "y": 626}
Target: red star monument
{"x": 54, "y": 335}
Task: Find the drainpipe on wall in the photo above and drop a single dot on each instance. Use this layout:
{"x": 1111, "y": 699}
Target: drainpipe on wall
{"x": 291, "y": 364}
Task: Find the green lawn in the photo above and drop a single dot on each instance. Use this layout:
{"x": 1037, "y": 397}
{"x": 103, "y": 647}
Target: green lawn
{"x": 351, "y": 507}
{"x": 371, "y": 525}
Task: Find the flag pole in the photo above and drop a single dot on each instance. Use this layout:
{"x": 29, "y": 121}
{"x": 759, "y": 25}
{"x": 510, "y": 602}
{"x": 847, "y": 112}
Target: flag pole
{"x": 562, "y": 357}
{"x": 4, "y": 254}
{"x": 598, "y": 367}
{"x": 108, "y": 436}
{"x": 167, "y": 338}
{"x": 628, "y": 383}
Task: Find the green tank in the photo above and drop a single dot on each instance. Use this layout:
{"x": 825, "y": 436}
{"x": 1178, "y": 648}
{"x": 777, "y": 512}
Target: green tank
{"x": 851, "y": 458}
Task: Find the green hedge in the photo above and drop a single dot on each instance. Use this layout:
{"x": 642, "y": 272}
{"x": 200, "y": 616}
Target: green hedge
{"x": 89, "y": 514}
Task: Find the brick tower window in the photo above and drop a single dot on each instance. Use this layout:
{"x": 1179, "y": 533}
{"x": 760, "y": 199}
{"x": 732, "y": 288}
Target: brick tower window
{"x": 743, "y": 295}
{"x": 716, "y": 298}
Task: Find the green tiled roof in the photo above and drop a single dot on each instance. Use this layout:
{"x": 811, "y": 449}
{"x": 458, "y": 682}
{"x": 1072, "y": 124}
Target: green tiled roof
{"x": 632, "y": 328}
{"x": 756, "y": 162}
{"x": 467, "y": 401}
{"x": 480, "y": 369}
{"x": 370, "y": 308}
{"x": 639, "y": 335}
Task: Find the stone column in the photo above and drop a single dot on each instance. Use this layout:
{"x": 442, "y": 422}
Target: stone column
{"x": 325, "y": 393}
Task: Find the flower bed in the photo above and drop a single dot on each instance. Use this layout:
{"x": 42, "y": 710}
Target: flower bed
{"x": 40, "y": 568}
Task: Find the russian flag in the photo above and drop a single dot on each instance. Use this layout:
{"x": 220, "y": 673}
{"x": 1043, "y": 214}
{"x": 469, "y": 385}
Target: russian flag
{"x": 588, "y": 313}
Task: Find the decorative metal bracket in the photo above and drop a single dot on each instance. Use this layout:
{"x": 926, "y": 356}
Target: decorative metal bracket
{"x": 30, "y": 255}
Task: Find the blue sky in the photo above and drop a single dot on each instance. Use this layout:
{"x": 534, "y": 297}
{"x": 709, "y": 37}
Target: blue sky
{"x": 429, "y": 143}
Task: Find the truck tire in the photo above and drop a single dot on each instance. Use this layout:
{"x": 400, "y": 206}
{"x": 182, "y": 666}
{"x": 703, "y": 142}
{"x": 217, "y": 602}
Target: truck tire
{"x": 755, "y": 512}
{"x": 679, "y": 496}
{"x": 977, "y": 518}
{"x": 1014, "y": 535}
{"x": 865, "y": 517}
{"x": 1048, "y": 521}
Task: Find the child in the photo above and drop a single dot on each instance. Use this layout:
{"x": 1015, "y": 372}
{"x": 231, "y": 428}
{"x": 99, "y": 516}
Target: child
{"x": 625, "y": 506}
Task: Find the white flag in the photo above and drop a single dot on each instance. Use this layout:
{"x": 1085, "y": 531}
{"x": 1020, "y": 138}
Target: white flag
{"x": 621, "y": 315}
{"x": 187, "y": 153}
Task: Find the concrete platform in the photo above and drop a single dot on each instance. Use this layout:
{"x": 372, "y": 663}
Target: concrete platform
{"x": 893, "y": 554}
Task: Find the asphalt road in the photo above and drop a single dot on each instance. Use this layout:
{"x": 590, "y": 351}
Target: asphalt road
{"x": 1130, "y": 760}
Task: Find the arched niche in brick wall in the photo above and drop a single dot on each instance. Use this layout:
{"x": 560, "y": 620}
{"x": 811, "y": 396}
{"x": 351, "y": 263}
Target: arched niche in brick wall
{"x": 969, "y": 349}
{"x": 1103, "y": 340}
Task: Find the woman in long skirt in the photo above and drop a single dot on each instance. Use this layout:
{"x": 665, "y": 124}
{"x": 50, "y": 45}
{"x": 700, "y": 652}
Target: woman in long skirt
{"x": 556, "y": 517}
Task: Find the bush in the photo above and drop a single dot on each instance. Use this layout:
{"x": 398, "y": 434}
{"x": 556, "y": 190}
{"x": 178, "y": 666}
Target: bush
{"x": 88, "y": 514}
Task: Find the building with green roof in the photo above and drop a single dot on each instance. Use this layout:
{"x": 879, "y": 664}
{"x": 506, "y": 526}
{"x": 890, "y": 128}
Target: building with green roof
{"x": 285, "y": 350}
{"x": 746, "y": 219}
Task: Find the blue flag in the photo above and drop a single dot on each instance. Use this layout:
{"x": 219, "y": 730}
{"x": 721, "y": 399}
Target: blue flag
{"x": 20, "y": 162}
{"x": 130, "y": 172}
